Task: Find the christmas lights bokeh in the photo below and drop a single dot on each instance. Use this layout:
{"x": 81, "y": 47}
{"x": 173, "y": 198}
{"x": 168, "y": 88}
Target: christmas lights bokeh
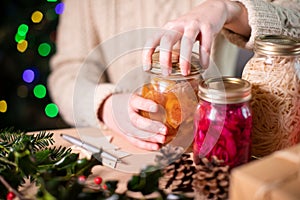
{"x": 30, "y": 26}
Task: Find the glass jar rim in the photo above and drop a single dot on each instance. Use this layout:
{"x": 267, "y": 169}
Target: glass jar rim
{"x": 225, "y": 90}
{"x": 196, "y": 68}
{"x": 277, "y": 45}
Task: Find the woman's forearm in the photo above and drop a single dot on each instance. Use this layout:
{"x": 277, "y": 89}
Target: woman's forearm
{"x": 237, "y": 20}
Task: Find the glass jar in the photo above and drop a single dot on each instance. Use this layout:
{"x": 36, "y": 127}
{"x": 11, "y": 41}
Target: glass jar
{"x": 273, "y": 72}
{"x": 223, "y": 121}
{"x": 177, "y": 96}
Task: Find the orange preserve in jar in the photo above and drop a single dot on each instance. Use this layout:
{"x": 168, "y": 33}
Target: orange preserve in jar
{"x": 176, "y": 94}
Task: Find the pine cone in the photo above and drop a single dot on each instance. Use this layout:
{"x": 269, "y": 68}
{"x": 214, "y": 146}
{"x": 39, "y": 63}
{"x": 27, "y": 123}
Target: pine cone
{"x": 178, "y": 176}
{"x": 211, "y": 180}
{"x": 168, "y": 155}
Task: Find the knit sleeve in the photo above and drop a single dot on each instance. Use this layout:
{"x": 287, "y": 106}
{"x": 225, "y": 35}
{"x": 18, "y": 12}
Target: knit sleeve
{"x": 72, "y": 83}
{"x": 277, "y": 17}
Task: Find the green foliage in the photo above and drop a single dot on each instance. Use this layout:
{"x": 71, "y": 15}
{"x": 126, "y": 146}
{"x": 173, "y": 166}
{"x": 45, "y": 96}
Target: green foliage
{"x": 146, "y": 182}
{"x": 56, "y": 170}
{"x": 17, "y": 156}
{"x": 60, "y": 179}
{"x": 29, "y": 156}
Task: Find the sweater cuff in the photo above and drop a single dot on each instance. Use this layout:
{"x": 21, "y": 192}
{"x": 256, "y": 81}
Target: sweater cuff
{"x": 262, "y": 20}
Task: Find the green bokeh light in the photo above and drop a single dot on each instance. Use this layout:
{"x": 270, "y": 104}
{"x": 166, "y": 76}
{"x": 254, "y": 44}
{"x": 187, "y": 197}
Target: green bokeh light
{"x": 39, "y": 91}
{"x": 22, "y": 30}
{"x": 44, "y": 49}
{"x": 51, "y": 110}
{"x": 18, "y": 37}
{"x": 52, "y": 0}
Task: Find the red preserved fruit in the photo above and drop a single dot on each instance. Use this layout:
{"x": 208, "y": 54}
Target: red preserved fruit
{"x": 225, "y": 130}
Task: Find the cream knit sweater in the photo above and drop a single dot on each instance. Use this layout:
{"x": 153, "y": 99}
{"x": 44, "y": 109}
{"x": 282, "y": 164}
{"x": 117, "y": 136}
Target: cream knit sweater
{"x": 91, "y": 62}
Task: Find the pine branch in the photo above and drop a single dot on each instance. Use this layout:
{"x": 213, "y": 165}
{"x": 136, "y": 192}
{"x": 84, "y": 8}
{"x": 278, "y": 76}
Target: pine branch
{"x": 51, "y": 155}
{"x": 59, "y": 152}
{"x": 57, "y": 172}
{"x": 9, "y": 136}
{"x": 4, "y": 161}
{"x": 41, "y": 140}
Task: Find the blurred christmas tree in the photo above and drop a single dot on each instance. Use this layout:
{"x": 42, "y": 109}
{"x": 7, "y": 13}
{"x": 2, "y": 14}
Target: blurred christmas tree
{"x": 27, "y": 41}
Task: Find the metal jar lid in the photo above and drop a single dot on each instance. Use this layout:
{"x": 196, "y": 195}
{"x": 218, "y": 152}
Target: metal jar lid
{"x": 277, "y": 45}
{"x": 196, "y": 68}
{"x": 225, "y": 90}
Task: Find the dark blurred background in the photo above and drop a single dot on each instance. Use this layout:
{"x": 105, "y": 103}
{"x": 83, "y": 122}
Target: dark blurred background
{"x": 27, "y": 41}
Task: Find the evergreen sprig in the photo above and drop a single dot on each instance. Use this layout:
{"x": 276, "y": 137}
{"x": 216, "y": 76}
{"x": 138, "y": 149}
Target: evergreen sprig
{"x": 23, "y": 155}
{"x": 56, "y": 171}
{"x": 41, "y": 140}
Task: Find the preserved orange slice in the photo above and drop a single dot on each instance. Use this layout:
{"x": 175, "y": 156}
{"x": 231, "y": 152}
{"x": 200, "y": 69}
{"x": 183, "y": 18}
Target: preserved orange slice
{"x": 146, "y": 88}
{"x": 173, "y": 111}
{"x": 155, "y": 96}
{"x": 148, "y": 92}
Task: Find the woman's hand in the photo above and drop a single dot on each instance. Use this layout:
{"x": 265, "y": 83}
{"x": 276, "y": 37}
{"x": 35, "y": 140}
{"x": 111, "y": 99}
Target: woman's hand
{"x": 120, "y": 113}
{"x": 202, "y": 23}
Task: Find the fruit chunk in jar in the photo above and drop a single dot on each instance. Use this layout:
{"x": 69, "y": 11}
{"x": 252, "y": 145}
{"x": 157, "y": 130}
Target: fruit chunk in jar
{"x": 229, "y": 131}
{"x": 177, "y": 100}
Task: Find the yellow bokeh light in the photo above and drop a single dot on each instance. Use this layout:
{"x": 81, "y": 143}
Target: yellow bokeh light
{"x": 3, "y": 106}
{"x": 22, "y": 46}
{"x": 37, "y": 17}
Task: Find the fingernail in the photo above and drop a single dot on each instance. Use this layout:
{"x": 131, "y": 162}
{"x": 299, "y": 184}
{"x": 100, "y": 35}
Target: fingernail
{"x": 153, "y": 108}
{"x": 184, "y": 72}
{"x": 165, "y": 72}
{"x": 204, "y": 59}
{"x": 162, "y": 130}
{"x": 154, "y": 147}
{"x": 162, "y": 140}
{"x": 188, "y": 71}
{"x": 147, "y": 67}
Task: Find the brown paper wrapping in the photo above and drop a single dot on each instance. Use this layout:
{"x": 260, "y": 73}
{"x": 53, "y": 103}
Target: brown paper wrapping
{"x": 274, "y": 177}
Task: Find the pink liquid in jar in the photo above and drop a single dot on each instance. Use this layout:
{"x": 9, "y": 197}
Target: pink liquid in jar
{"x": 223, "y": 121}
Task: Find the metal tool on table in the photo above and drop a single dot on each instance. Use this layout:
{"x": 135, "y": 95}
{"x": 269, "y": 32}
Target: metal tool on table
{"x": 113, "y": 156}
{"x": 104, "y": 155}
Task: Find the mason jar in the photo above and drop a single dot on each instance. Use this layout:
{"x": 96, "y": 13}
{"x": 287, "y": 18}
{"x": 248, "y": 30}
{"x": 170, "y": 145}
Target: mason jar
{"x": 223, "y": 121}
{"x": 176, "y": 95}
{"x": 274, "y": 73}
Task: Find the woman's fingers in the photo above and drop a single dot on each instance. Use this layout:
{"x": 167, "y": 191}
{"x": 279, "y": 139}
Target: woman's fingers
{"x": 118, "y": 118}
{"x": 151, "y": 125}
{"x": 143, "y": 144}
{"x": 206, "y": 40}
{"x": 149, "y": 49}
{"x": 167, "y": 42}
{"x": 187, "y": 41}
{"x": 173, "y": 35}
{"x": 127, "y": 128}
{"x": 202, "y": 23}
{"x": 146, "y": 124}
{"x": 139, "y": 103}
